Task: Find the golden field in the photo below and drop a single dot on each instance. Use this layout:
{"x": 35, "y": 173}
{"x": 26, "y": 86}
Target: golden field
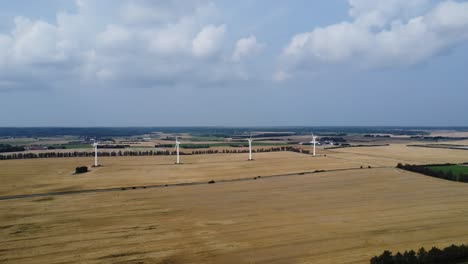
{"x": 52, "y": 175}
{"x": 407, "y": 154}
{"x": 331, "y": 217}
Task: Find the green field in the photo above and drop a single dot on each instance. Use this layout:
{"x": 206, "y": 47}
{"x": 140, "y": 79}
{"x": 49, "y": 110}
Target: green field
{"x": 456, "y": 170}
{"x": 240, "y": 144}
{"x": 17, "y": 142}
{"x": 227, "y": 144}
{"x": 200, "y": 139}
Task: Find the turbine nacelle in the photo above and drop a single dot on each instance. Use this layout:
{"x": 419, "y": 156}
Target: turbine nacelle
{"x": 95, "y": 145}
{"x": 177, "y": 143}
{"x": 313, "y": 142}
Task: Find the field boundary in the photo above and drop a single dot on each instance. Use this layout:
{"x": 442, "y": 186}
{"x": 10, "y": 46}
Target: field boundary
{"x": 140, "y": 153}
{"x": 441, "y": 146}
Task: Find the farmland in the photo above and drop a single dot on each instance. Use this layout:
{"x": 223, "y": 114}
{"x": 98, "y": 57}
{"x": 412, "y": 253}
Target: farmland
{"x": 343, "y": 206}
{"x": 336, "y": 217}
{"x": 457, "y": 170}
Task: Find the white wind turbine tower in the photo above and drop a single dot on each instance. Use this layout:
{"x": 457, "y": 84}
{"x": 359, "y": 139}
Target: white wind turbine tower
{"x": 314, "y": 141}
{"x": 95, "y": 145}
{"x": 250, "y": 147}
{"x": 177, "y": 143}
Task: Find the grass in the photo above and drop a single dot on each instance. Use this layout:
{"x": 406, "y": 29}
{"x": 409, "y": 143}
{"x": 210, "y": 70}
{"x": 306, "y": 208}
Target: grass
{"x": 202, "y": 139}
{"x": 17, "y": 142}
{"x": 246, "y": 144}
{"x": 230, "y": 144}
{"x": 78, "y": 146}
{"x": 456, "y": 170}
{"x": 72, "y": 146}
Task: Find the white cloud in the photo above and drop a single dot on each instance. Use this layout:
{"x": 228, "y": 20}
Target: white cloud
{"x": 113, "y": 36}
{"x": 208, "y": 40}
{"x": 36, "y": 42}
{"x": 171, "y": 39}
{"x": 245, "y": 47}
{"x": 379, "y": 13}
{"x": 154, "y": 43}
{"x": 381, "y": 34}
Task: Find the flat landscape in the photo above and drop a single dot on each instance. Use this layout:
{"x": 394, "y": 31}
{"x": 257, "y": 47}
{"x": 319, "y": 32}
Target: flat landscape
{"x": 56, "y": 174}
{"x": 338, "y": 217}
{"x": 234, "y": 132}
{"x": 343, "y": 206}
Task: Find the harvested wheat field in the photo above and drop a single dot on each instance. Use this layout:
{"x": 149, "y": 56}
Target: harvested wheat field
{"x": 332, "y": 217}
{"x": 403, "y": 153}
{"x": 345, "y": 215}
{"x": 56, "y": 174}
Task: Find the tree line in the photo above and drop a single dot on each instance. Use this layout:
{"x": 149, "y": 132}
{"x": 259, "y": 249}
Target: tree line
{"x": 120, "y": 153}
{"x": 185, "y": 146}
{"x": 426, "y": 170}
{"x": 227, "y": 151}
{"x": 449, "y": 255}
{"x": 10, "y": 148}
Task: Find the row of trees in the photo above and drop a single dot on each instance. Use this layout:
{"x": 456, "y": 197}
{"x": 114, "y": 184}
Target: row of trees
{"x": 449, "y": 255}
{"x": 102, "y": 153}
{"x": 200, "y": 146}
{"x": 73, "y": 154}
{"x": 426, "y": 170}
{"x": 10, "y": 148}
{"x": 272, "y": 149}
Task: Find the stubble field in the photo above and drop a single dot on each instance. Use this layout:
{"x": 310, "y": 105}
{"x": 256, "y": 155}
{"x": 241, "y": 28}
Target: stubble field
{"x": 56, "y": 175}
{"x": 331, "y": 217}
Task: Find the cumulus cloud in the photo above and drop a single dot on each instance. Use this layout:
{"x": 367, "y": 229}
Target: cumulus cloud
{"x": 133, "y": 44}
{"x": 35, "y": 42}
{"x": 113, "y": 36}
{"x": 245, "y": 47}
{"x": 381, "y": 34}
{"x": 208, "y": 40}
{"x": 379, "y": 13}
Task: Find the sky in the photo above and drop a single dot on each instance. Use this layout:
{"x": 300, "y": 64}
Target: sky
{"x": 234, "y": 63}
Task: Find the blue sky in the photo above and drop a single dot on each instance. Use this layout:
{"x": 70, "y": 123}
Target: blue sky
{"x": 233, "y": 63}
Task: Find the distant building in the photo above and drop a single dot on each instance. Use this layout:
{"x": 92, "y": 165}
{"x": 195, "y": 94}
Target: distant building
{"x": 36, "y": 148}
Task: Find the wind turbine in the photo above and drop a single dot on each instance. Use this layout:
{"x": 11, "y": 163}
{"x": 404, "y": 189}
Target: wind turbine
{"x": 177, "y": 143}
{"x": 314, "y": 141}
{"x": 250, "y": 147}
{"x": 95, "y": 145}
